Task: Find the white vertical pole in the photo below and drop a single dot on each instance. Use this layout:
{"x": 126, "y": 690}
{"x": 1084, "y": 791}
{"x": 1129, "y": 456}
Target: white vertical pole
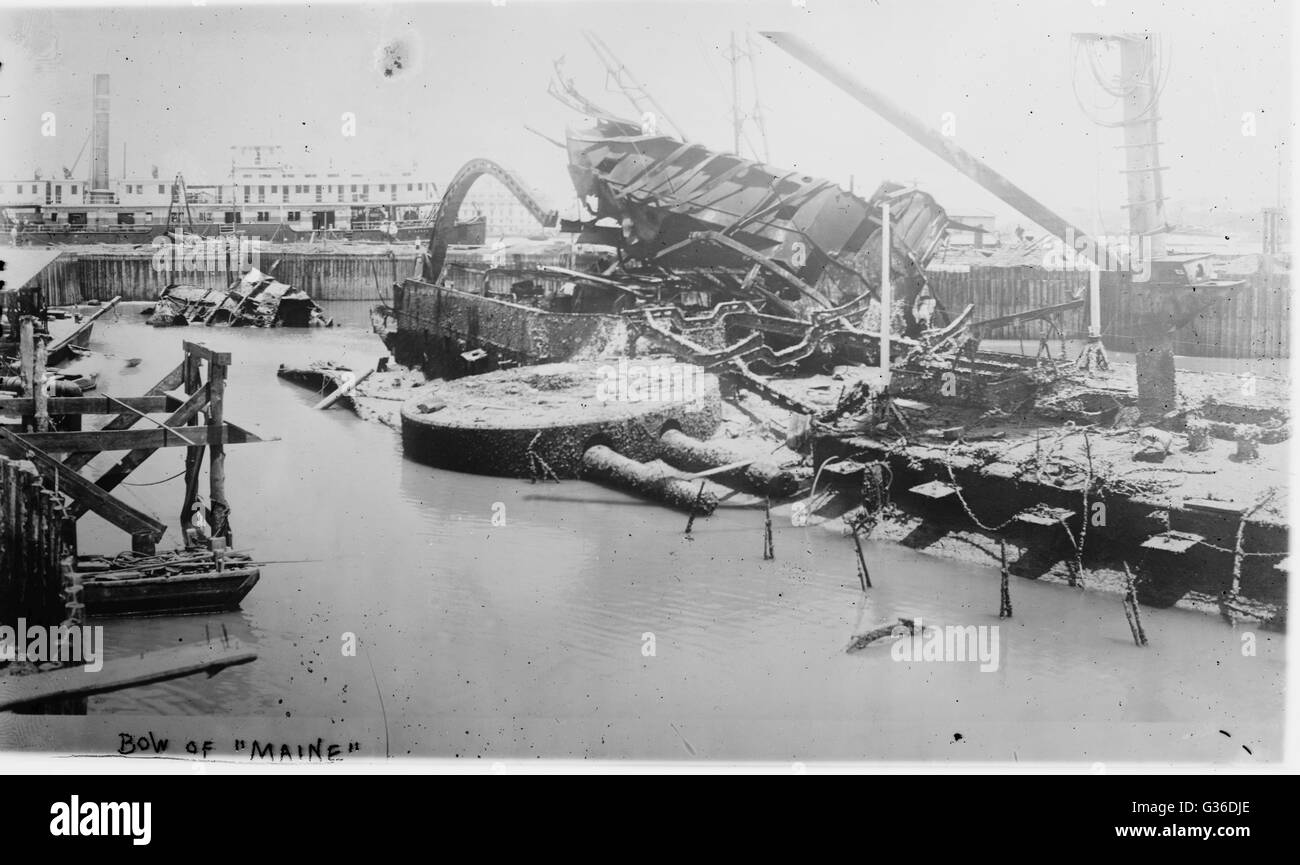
{"x": 886, "y": 291}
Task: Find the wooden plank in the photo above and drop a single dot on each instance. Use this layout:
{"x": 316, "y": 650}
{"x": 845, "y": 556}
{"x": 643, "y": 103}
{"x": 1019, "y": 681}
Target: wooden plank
{"x": 120, "y": 673}
{"x": 139, "y": 439}
{"x": 198, "y": 349}
{"x": 84, "y": 326}
{"x": 61, "y": 405}
{"x": 129, "y": 463}
{"x": 81, "y": 490}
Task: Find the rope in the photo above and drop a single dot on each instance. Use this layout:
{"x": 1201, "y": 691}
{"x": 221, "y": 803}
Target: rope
{"x": 154, "y": 483}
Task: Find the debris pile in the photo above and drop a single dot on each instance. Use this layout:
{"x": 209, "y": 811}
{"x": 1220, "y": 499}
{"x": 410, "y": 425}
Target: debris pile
{"x": 256, "y": 300}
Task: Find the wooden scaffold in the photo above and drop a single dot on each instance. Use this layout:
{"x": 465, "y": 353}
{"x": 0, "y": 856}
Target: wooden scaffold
{"x": 51, "y": 437}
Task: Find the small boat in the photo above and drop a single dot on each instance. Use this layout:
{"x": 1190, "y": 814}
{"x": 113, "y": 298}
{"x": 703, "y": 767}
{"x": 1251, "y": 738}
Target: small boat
{"x": 165, "y": 585}
{"x": 203, "y": 592}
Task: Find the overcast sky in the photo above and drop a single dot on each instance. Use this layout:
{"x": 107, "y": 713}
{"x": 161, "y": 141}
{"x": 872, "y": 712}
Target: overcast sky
{"x": 189, "y": 80}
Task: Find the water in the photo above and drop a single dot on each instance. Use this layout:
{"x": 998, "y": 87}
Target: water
{"x": 528, "y": 639}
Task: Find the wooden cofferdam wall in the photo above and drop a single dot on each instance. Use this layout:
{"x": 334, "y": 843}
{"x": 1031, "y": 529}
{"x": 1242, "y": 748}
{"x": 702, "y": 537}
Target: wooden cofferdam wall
{"x": 1251, "y": 322}
{"x": 81, "y": 276}
{"x": 31, "y": 547}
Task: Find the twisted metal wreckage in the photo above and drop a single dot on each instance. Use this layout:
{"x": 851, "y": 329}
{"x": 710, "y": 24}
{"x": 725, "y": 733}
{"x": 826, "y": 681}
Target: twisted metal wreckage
{"x": 746, "y": 269}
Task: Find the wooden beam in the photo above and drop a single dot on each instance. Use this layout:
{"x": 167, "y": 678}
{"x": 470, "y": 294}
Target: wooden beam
{"x": 80, "y": 489}
{"x": 1027, "y": 315}
{"x": 60, "y": 405}
{"x": 198, "y": 349}
{"x": 139, "y": 439}
{"x": 218, "y": 507}
{"x": 81, "y": 328}
{"x": 347, "y": 388}
{"x": 129, "y": 463}
{"x": 156, "y": 666}
{"x": 125, "y": 420}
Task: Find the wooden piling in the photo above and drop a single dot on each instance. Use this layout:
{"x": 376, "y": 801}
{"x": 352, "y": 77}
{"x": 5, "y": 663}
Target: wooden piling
{"x": 31, "y": 546}
{"x": 27, "y": 363}
{"x": 1004, "y": 610}
{"x": 864, "y": 576}
{"x": 769, "y": 549}
{"x": 1131, "y": 609}
{"x": 219, "y": 508}
{"x": 690, "y": 521}
{"x": 40, "y": 396}
{"x": 191, "y": 381}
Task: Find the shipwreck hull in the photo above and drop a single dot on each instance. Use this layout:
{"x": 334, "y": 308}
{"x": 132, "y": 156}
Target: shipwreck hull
{"x": 448, "y": 333}
{"x": 257, "y": 300}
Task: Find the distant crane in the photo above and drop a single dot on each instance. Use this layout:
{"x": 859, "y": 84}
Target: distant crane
{"x": 179, "y": 196}
{"x": 69, "y": 172}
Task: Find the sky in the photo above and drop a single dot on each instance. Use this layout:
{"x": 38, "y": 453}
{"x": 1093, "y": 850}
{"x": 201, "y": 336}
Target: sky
{"x": 190, "y": 80}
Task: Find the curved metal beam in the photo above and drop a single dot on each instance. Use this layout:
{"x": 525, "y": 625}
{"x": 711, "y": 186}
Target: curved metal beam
{"x": 453, "y": 197}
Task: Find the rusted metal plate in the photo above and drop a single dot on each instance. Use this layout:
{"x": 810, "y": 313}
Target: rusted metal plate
{"x": 1044, "y": 516}
{"x": 1216, "y": 506}
{"x": 1173, "y": 542}
{"x": 934, "y": 490}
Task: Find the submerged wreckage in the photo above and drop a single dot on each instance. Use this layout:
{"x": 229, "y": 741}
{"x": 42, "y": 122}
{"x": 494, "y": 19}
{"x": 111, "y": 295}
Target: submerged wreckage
{"x": 778, "y": 284}
{"x": 256, "y": 300}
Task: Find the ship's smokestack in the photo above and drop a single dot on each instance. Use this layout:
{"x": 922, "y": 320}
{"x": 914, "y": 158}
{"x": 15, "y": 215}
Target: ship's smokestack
{"x": 99, "y": 151}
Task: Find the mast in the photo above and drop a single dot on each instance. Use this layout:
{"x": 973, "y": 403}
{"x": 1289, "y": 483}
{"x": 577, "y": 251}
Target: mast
{"x": 623, "y": 79}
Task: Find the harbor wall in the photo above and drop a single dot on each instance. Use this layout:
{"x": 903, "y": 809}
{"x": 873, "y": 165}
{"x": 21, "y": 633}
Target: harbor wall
{"x": 76, "y": 277}
{"x": 1252, "y": 323}
{"x": 31, "y": 547}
